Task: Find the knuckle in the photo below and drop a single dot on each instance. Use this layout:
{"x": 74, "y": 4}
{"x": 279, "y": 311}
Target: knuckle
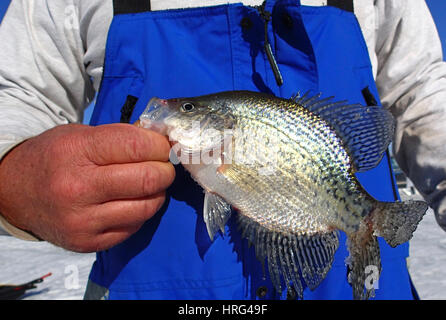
{"x": 65, "y": 143}
{"x": 138, "y": 146}
{"x": 103, "y": 181}
{"x": 99, "y": 143}
{"x": 125, "y": 136}
{"x": 150, "y": 180}
{"x": 144, "y": 143}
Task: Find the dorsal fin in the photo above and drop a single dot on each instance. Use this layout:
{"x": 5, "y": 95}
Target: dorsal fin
{"x": 366, "y": 131}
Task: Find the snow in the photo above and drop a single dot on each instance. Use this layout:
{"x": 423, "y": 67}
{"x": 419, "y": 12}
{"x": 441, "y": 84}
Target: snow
{"x": 427, "y": 259}
{"x": 22, "y": 261}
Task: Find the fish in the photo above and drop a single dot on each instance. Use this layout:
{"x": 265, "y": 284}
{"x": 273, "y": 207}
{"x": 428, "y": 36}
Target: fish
{"x": 286, "y": 168}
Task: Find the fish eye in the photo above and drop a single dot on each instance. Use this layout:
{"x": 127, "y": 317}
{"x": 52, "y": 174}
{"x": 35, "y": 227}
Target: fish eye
{"x": 188, "y": 107}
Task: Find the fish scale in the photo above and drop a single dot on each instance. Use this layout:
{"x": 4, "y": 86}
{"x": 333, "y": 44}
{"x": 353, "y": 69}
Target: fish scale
{"x": 288, "y": 168}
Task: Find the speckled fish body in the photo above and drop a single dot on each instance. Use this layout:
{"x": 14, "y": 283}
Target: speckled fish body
{"x": 288, "y": 167}
{"x": 304, "y": 185}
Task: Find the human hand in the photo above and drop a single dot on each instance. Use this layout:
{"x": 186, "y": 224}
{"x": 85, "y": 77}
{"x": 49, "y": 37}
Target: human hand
{"x": 85, "y": 188}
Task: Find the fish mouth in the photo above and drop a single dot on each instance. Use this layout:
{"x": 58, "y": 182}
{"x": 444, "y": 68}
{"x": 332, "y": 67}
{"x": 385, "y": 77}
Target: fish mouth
{"x": 155, "y": 115}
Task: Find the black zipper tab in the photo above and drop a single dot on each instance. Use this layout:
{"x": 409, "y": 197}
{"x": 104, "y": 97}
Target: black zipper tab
{"x": 369, "y": 97}
{"x": 266, "y": 16}
{"x": 127, "y": 109}
{"x": 273, "y": 63}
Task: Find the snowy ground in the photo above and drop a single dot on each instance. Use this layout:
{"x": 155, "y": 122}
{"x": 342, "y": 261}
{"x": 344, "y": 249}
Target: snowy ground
{"x": 22, "y": 261}
{"x": 427, "y": 262}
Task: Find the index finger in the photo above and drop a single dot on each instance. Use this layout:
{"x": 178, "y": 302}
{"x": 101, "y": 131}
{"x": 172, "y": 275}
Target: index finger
{"x": 125, "y": 143}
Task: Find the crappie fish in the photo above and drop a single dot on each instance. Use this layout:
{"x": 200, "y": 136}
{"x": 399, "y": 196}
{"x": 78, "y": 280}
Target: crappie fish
{"x": 288, "y": 168}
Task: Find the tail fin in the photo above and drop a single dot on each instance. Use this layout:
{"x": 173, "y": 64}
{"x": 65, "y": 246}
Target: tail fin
{"x": 397, "y": 221}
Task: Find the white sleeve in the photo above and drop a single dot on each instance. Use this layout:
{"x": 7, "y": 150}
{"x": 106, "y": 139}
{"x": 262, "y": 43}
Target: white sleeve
{"x": 411, "y": 80}
{"x": 43, "y": 82}
{"x": 51, "y": 61}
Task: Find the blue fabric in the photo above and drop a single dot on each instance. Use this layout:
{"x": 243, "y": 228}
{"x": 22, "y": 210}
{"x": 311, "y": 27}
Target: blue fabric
{"x": 3, "y": 8}
{"x": 197, "y": 51}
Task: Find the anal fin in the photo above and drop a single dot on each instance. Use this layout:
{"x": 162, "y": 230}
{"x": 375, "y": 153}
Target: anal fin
{"x": 296, "y": 260}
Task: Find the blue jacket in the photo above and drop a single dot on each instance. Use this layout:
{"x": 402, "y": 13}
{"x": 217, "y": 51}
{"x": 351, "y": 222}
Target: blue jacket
{"x": 190, "y": 52}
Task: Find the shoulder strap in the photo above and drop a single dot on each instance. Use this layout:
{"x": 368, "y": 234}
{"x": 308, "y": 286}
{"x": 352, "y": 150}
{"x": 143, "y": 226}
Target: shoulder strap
{"x": 346, "y": 5}
{"x": 135, "y": 6}
{"x": 130, "y": 6}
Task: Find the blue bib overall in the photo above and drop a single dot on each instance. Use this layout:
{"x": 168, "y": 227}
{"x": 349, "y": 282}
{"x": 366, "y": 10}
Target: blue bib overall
{"x": 197, "y": 51}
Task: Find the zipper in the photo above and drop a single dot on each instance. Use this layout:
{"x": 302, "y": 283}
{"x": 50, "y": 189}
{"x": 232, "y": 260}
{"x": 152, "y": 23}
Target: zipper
{"x": 266, "y": 17}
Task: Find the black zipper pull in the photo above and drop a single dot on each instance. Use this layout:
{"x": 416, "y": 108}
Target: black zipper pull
{"x": 127, "y": 108}
{"x": 266, "y": 16}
